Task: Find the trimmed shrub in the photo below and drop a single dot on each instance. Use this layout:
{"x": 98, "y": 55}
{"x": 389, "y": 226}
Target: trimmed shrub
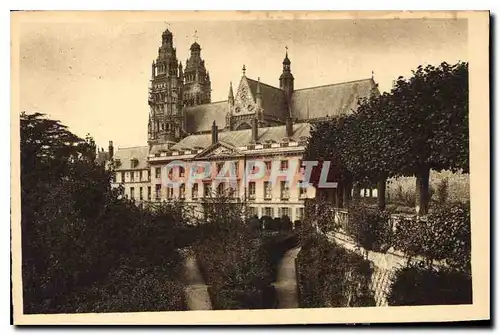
{"x": 442, "y": 191}
{"x": 331, "y": 276}
{"x": 277, "y": 224}
{"x": 421, "y": 285}
{"x": 275, "y": 247}
{"x": 370, "y": 228}
{"x": 267, "y": 221}
{"x": 254, "y": 224}
{"x": 286, "y": 223}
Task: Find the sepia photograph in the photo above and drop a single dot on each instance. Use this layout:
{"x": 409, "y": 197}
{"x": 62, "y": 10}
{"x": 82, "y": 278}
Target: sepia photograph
{"x": 249, "y": 167}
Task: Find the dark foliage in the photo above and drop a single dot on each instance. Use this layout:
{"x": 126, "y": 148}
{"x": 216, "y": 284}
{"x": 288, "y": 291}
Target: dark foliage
{"x": 370, "y": 228}
{"x": 443, "y": 236}
{"x": 421, "y": 285}
{"x": 232, "y": 260}
{"x": 275, "y": 247}
{"x": 331, "y": 276}
{"x": 77, "y": 236}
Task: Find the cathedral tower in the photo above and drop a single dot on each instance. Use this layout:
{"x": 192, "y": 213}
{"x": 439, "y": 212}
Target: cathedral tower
{"x": 166, "y": 120}
{"x": 197, "y": 88}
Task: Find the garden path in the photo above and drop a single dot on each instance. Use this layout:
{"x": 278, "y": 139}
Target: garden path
{"x": 286, "y": 281}
{"x": 197, "y": 296}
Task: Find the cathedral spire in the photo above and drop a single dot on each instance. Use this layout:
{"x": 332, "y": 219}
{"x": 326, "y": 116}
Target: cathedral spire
{"x": 286, "y": 79}
{"x": 230, "y": 96}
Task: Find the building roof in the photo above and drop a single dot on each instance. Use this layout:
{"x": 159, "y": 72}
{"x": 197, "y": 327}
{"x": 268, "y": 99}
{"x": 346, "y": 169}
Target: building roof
{"x": 239, "y": 138}
{"x": 126, "y": 155}
{"x": 330, "y": 100}
{"x": 273, "y": 99}
{"x": 199, "y": 118}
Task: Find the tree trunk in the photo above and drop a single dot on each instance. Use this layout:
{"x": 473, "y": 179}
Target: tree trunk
{"x": 381, "y": 193}
{"x": 347, "y": 193}
{"x": 370, "y": 192}
{"x": 356, "y": 191}
{"x": 422, "y": 192}
{"x": 339, "y": 197}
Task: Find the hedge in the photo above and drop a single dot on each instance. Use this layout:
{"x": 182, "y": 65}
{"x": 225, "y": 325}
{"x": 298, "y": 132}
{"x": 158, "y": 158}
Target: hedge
{"x": 331, "y": 276}
{"x": 443, "y": 236}
{"x": 421, "y": 285}
{"x": 370, "y": 228}
{"x": 234, "y": 266}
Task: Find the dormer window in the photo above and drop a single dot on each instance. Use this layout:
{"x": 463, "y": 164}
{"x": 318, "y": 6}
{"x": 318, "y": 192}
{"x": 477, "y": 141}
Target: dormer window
{"x": 134, "y": 162}
{"x": 118, "y": 163}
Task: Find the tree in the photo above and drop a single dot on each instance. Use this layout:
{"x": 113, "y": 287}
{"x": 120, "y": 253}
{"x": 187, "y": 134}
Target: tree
{"x": 75, "y": 230}
{"x": 422, "y": 124}
{"x": 430, "y": 109}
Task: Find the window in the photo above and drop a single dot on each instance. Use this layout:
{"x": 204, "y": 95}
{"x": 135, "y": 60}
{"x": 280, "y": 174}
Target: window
{"x": 268, "y": 166}
{"x": 219, "y": 166}
{"x": 302, "y": 192}
{"x": 251, "y": 190}
{"x": 283, "y": 144}
{"x": 143, "y": 175}
{"x": 158, "y": 172}
{"x": 181, "y": 171}
{"x": 140, "y": 194}
{"x": 132, "y": 193}
{"x": 194, "y": 191}
{"x": 284, "y": 165}
{"x": 149, "y": 175}
{"x": 132, "y": 176}
{"x": 233, "y": 191}
{"x": 284, "y": 190}
{"x": 149, "y": 192}
{"x": 220, "y": 189}
{"x": 266, "y": 145}
{"x": 299, "y": 214}
{"x": 206, "y": 190}
{"x": 268, "y": 190}
{"x": 170, "y": 193}
{"x": 285, "y": 211}
{"x": 252, "y": 211}
{"x": 123, "y": 177}
{"x": 268, "y": 211}
{"x": 182, "y": 191}
{"x": 158, "y": 191}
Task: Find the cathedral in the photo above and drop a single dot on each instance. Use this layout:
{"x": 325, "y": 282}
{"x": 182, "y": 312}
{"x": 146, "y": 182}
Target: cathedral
{"x": 258, "y": 121}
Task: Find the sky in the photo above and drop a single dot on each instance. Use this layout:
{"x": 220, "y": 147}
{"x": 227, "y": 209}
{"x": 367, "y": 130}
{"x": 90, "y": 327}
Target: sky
{"x": 93, "y": 76}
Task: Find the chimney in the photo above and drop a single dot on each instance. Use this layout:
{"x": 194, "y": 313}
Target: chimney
{"x": 255, "y": 129}
{"x": 215, "y": 133}
{"x": 111, "y": 150}
{"x": 289, "y": 127}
